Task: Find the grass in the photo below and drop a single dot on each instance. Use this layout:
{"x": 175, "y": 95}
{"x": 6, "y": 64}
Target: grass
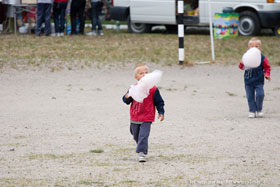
{"x": 42, "y": 156}
{"x": 48, "y": 156}
{"x": 101, "y": 164}
{"x": 89, "y": 183}
{"x": 171, "y": 89}
{"x": 128, "y": 181}
{"x": 159, "y": 47}
{"x": 96, "y": 151}
{"x": 13, "y": 145}
{"x": 20, "y": 137}
{"x": 231, "y": 94}
{"x": 172, "y": 157}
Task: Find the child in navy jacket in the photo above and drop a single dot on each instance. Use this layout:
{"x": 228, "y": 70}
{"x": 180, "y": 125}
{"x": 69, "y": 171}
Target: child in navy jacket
{"x": 143, "y": 114}
{"x": 254, "y": 82}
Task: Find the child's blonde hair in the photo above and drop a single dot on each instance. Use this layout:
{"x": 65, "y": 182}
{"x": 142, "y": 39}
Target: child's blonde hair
{"x": 254, "y": 39}
{"x": 137, "y": 68}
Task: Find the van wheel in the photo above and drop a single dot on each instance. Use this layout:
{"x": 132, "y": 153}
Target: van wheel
{"x": 249, "y": 24}
{"x": 277, "y": 31}
{"x": 138, "y": 27}
{"x": 171, "y": 28}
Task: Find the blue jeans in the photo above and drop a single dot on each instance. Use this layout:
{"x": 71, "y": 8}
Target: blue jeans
{"x": 255, "y": 96}
{"x": 141, "y": 134}
{"x": 43, "y": 15}
{"x": 59, "y": 16}
{"x": 95, "y": 12}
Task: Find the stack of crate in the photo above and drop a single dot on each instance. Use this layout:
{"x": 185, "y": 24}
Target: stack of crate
{"x": 29, "y": 1}
{"x": 16, "y": 2}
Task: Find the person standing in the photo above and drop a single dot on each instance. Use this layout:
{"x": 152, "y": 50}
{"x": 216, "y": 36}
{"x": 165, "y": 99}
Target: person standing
{"x": 96, "y": 25}
{"x": 254, "y": 81}
{"x": 142, "y": 115}
{"x": 44, "y": 9}
{"x": 77, "y": 11}
{"x": 59, "y": 9}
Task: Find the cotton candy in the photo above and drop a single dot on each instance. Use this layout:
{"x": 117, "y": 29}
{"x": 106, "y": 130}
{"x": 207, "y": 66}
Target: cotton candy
{"x": 252, "y": 58}
{"x": 141, "y": 90}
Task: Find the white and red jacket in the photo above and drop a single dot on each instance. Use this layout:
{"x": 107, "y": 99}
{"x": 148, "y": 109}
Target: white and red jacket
{"x": 145, "y": 111}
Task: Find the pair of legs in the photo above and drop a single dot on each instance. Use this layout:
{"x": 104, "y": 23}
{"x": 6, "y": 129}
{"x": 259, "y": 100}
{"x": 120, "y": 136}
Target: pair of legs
{"x": 59, "y": 16}
{"x": 255, "y": 97}
{"x": 95, "y": 12}
{"x": 43, "y": 15}
{"x": 140, "y": 133}
{"x": 77, "y": 10}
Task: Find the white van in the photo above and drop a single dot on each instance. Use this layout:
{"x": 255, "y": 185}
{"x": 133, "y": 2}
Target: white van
{"x": 141, "y": 15}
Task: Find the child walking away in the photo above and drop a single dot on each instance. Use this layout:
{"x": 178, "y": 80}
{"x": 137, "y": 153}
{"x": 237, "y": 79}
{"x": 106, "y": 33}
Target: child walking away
{"x": 142, "y": 114}
{"x": 256, "y": 68}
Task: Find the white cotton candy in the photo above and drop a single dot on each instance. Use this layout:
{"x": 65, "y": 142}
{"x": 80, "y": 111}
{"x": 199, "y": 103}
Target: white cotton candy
{"x": 252, "y": 58}
{"x": 141, "y": 90}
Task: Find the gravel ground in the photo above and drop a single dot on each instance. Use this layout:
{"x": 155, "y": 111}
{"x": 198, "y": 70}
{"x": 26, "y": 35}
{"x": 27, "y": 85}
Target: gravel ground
{"x": 53, "y": 123}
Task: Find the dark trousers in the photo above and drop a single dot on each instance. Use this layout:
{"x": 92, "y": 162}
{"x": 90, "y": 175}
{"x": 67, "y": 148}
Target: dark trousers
{"x": 95, "y": 12}
{"x": 255, "y": 97}
{"x": 43, "y": 15}
{"x": 140, "y": 133}
{"x": 77, "y": 10}
{"x": 59, "y": 16}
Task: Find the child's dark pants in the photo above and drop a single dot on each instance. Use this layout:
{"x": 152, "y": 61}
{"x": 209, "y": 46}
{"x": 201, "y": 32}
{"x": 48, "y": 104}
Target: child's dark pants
{"x": 255, "y": 96}
{"x": 141, "y": 134}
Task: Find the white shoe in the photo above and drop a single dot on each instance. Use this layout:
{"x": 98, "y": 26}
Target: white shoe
{"x": 141, "y": 157}
{"x": 259, "y": 115}
{"x": 101, "y": 33}
{"x": 251, "y": 115}
{"x": 92, "y": 33}
{"x": 54, "y": 34}
{"x": 61, "y": 34}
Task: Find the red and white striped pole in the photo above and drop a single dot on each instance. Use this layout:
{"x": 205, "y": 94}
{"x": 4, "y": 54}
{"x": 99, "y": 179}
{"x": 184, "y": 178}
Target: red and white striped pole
{"x": 181, "y": 31}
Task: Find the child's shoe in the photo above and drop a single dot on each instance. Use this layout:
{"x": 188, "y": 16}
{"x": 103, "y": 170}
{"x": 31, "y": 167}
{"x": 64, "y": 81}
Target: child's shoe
{"x": 251, "y": 115}
{"x": 259, "y": 114}
{"x": 141, "y": 157}
{"x": 101, "y": 33}
{"x": 54, "y": 34}
{"x": 92, "y": 33}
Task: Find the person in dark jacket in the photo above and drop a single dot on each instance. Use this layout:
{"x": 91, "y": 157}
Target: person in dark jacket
{"x": 77, "y": 11}
{"x": 95, "y": 11}
{"x": 44, "y": 9}
{"x": 59, "y": 9}
{"x": 143, "y": 114}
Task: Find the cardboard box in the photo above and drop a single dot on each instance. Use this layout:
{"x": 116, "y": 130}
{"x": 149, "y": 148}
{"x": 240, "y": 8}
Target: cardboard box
{"x": 11, "y": 2}
{"x": 29, "y": 1}
{"x": 226, "y": 25}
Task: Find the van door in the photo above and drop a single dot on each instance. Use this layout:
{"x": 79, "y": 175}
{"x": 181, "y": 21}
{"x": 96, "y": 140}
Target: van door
{"x": 216, "y": 7}
{"x": 153, "y": 11}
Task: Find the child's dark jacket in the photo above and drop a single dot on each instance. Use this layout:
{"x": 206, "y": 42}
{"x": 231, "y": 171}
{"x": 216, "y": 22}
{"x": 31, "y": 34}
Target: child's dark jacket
{"x": 255, "y": 76}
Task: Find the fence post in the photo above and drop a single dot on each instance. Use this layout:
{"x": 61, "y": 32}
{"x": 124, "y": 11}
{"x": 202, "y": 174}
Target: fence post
{"x": 181, "y": 31}
{"x": 211, "y": 30}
